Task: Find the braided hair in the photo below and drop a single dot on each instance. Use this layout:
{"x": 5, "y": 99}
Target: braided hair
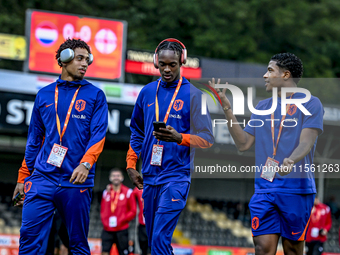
{"x": 72, "y": 44}
{"x": 175, "y": 46}
{"x": 290, "y": 62}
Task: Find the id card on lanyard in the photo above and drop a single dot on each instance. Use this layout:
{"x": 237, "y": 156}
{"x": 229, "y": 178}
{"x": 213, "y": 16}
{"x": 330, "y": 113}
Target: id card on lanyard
{"x": 272, "y": 165}
{"x": 58, "y": 152}
{"x": 157, "y": 149}
{"x": 57, "y": 155}
{"x": 268, "y": 172}
{"x": 157, "y": 153}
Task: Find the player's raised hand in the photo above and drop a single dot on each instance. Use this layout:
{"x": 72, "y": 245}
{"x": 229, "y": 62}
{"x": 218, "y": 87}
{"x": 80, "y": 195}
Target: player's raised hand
{"x": 79, "y": 175}
{"x": 221, "y": 93}
{"x": 286, "y": 167}
{"x": 135, "y": 177}
{"x": 168, "y": 134}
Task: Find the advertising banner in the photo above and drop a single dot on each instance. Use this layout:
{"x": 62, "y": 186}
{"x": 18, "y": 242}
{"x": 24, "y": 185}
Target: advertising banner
{"x": 12, "y": 47}
{"x": 141, "y": 62}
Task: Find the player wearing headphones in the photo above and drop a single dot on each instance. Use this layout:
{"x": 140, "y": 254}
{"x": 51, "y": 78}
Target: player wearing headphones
{"x": 118, "y": 208}
{"x": 168, "y": 153}
{"x": 71, "y": 114}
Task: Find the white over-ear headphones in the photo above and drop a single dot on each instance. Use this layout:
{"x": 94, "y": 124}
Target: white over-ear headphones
{"x": 68, "y": 54}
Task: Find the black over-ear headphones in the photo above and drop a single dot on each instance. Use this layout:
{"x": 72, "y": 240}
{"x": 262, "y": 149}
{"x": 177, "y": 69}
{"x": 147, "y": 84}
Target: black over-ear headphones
{"x": 183, "y": 56}
{"x": 68, "y": 54}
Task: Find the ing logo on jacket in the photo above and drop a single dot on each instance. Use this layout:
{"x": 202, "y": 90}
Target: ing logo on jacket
{"x": 178, "y": 105}
{"x": 80, "y": 105}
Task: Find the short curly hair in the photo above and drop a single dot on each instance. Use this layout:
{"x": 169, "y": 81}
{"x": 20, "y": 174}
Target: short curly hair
{"x": 72, "y": 44}
{"x": 290, "y": 62}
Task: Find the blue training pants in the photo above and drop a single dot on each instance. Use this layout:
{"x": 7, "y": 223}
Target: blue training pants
{"x": 162, "y": 207}
{"x": 42, "y": 197}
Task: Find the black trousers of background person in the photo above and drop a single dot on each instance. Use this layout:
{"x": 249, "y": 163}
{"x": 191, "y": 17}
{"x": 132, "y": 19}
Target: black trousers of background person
{"x": 120, "y": 238}
{"x": 314, "y": 248}
{"x": 143, "y": 240}
{"x": 58, "y": 233}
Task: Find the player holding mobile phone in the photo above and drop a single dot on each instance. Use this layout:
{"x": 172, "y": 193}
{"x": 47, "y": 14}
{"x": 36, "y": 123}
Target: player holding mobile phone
{"x": 157, "y": 125}
{"x": 16, "y": 199}
{"x": 166, "y": 145}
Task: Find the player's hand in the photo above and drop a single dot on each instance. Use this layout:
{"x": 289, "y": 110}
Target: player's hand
{"x": 168, "y": 134}
{"x": 286, "y": 167}
{"x": 221, "y": 92}
{"x": 323, "y": 232}
{"x": 79, "y": 175}
{"x": 135, "y": 177}
{"x": 19, "y": 188}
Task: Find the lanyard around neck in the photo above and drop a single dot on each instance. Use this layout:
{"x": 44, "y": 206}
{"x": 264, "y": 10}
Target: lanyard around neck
{"x": 114, "y": 202}
{"x": 171, "y": 103}
{"x": 280, "y": 129}
{"x": 61, "y": 134}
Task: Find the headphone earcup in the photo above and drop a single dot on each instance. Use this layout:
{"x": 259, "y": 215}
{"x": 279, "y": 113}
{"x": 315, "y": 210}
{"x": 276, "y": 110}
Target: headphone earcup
{"x": 184, "y": 56}
{"x": 66, "y": 55}
{"x": 90, "y": 59}
{"x": 155, "y": 60}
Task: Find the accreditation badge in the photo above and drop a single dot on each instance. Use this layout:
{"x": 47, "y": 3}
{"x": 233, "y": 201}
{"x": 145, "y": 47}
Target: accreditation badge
{"x": 269, "y": 170}
{"x": 57, "y": 155}
{"x": 314, "y": 232}
{"x": 113, "y": 222}
{"x": 157, "y": 153}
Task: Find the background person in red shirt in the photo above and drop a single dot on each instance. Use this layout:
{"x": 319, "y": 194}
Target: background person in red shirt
{"x": 118, "y": 208}
{"x": 319, "y": 225}
{"x": 142, "y": 236}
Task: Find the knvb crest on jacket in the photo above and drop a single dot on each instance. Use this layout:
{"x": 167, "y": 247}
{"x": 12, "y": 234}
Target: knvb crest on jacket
{"x": 80, "y": 105}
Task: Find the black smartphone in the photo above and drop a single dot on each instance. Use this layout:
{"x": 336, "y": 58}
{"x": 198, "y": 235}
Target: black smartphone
{"x": 157, "y": 125}
{"x": 16, "y": 199}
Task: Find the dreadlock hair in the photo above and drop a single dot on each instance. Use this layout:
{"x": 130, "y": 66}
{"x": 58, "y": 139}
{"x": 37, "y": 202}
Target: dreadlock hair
{"x": 175, "y": 46}
{"x": 72, "y": 44}
{"x": 290, "y": 62}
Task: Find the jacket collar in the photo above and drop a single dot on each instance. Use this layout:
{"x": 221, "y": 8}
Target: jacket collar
{"x": 172, "y": 84}
{"x": 61, "y": 82}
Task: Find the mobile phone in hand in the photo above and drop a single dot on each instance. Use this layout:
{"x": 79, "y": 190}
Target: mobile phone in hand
{"x": 16, "y": 199}
{"x": 157, "y": 125}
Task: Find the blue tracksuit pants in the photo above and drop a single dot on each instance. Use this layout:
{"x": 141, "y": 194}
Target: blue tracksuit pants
{"x": 42, "y": 197}
{"x": 162, "y": 207}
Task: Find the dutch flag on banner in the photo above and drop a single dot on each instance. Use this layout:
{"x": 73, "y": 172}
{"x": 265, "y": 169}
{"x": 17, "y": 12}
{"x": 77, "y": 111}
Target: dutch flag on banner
{"x": 46, "y": 34}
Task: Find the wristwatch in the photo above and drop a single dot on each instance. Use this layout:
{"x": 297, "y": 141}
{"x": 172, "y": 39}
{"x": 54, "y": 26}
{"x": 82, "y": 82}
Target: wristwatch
{"x": 87, "y": 165}
{"x": 226, "y": 108}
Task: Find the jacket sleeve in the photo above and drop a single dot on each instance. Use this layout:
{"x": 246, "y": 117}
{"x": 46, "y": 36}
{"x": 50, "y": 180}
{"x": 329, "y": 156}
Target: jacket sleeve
{"x": 131, "y": 206}
{"x": 23, "y": 172}
{"x": 36, "y": 133}
{"x": 98, "y": 129}
{"x": 201, "y": 135}
{"x": 137, "y": 135}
